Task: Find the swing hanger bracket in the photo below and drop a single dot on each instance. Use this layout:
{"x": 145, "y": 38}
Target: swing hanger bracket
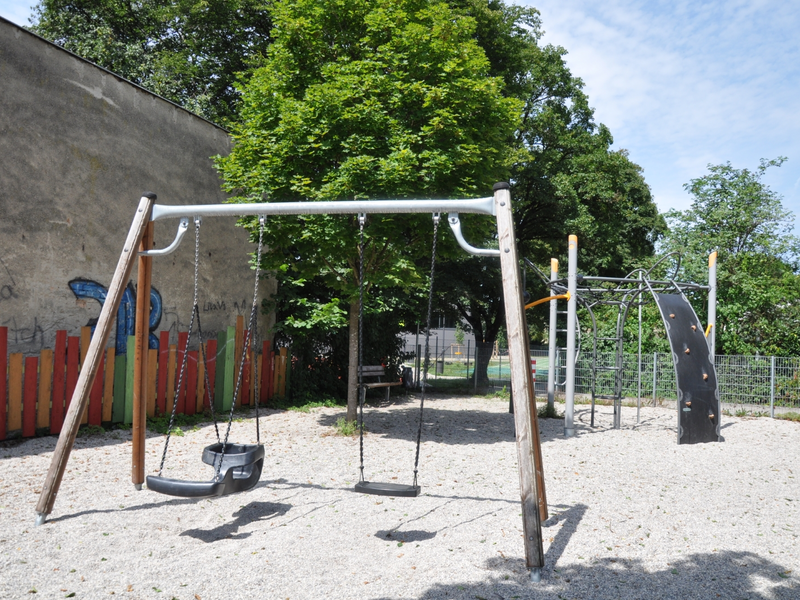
{"x": 455, "y": 225}
{"x": 183, "y": 227}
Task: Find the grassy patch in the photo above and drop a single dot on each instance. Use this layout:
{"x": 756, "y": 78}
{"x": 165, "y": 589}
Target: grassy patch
{"x": 346, "y": 428}
{"x": 549, "y": 412}
{"x": 789, "y": 416}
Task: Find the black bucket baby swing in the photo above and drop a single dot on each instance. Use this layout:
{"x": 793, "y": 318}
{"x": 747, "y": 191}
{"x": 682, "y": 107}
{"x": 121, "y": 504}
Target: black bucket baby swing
{"x": 237, "y": 467}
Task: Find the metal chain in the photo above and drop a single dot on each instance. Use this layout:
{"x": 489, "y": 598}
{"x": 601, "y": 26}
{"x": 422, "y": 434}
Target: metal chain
{"x": 261, "y": 220}
{"x": 427, "y": 345}
{"x": 362, "y": 217}
{"x": 197, "y": 222}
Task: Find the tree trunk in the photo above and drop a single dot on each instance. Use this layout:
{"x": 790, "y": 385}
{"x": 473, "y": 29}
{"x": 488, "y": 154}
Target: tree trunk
{"x": 352, "y": 369}
{"x": 483, "y": 354}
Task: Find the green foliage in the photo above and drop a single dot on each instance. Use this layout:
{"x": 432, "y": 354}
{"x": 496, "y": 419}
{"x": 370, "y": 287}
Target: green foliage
{"x": 188, "y": 52}
{"x": 566, "y": 180}
{"x": 549, "y": 412}
{"x": 346, "y": 428}
{"x": 734, "y": 212}
{"x": 359, "y": 99}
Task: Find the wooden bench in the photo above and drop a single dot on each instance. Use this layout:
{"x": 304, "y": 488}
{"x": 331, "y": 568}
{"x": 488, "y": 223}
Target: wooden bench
{"x": 377, "y": 371}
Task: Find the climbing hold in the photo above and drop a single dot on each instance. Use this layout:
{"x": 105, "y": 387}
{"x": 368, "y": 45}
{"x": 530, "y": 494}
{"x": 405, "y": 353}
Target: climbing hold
{"x": 705, "y": 376}
{"x": 671, "y": 315}
{"x": 688, "y": 403}
{"x": 687, "y": 351}
{"x": 694, "y": 327}
{"x": 710, "y": 415}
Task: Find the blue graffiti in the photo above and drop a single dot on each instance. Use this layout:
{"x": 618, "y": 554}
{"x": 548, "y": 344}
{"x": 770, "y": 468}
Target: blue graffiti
{"x": 126, "y": 314}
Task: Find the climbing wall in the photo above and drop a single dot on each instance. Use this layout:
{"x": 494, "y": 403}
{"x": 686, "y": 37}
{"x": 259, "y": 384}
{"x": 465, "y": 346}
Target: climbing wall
{"x": 698, "y": 396}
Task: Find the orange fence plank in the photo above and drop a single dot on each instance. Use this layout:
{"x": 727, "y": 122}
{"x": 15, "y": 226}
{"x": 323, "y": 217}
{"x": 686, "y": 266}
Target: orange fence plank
{"x": 3, "y": 371}
{"x": 271, "y": 364}
{"x": 14, "y": 392}
{"x": 108, "y": 384}
{"x": 59, "y": 382}
{"x": 29, "y": 396}
{"x": 73, "y": 360}
{"x": 45, "y": 388}
{"x": 152, "y": 372}
{"x": 191, "y": 383}
{"x": 95, "y": 412}
{"x": 163, "y": 357}
{"x": 171, "y": 367}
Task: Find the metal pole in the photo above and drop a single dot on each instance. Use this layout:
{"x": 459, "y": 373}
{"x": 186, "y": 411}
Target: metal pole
{"x": 655, "y": 369}
{"x": 772, "y": 387}
{"x": 467, "y": 360}
{"x": 712, "y": 305}
{"x": 572, "y": 305}
{"x": 551, "y": 346}
{"x": 639, "y": 357}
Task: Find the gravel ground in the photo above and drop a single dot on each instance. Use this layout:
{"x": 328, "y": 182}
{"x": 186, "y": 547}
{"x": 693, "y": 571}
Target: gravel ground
{"x": 632, "y": 514}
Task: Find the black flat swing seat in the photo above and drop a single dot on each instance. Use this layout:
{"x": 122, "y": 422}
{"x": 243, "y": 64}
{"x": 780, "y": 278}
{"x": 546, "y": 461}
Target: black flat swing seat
{"x": 387, "y": 489}
{"x": 240, "y": 471}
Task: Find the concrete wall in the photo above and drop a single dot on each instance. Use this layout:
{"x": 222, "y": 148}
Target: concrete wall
{"x": 78, "y": 146}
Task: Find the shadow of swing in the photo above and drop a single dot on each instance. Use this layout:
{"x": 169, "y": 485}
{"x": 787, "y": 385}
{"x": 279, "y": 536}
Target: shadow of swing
{"x": 248, "y": 514}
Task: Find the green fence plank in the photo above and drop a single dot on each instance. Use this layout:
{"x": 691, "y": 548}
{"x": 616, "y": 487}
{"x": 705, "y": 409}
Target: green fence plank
{"x": 129, "y": 367}
{"x": 118, "y": 406}
{"x": 230, "y": 364}
{"x": 219, "y": 383}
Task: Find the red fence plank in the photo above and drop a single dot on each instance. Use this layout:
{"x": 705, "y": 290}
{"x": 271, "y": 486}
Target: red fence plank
{"x": 245, "y": 394}
{"x": 29, "y": 397}
{"x": 183, "y": 340}
{"x": 211, "y": 363}
{"x": 3, "y": 371}
{"x": 96, "y": 396}
{"x": 191, "y": 383}
{"x": 59, "y": 382}
{"x": 73, "y": 359}
{"x": 163, "y": 355}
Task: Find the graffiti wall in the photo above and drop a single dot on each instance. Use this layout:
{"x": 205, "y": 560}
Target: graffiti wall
{"x": 79, "y": 146}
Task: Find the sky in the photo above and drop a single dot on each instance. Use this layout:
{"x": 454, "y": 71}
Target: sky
{"x": 680, "y": 84}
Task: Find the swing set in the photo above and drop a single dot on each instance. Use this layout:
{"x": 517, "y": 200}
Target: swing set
{"x": 237, "y": 467}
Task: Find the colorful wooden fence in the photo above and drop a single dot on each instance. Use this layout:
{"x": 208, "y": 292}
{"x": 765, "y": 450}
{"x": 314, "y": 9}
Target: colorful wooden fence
{"x": 35, "y": 391}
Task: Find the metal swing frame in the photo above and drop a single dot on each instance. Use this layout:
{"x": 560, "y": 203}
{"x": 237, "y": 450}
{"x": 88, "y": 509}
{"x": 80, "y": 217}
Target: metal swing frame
{"x": 140, "y": 236}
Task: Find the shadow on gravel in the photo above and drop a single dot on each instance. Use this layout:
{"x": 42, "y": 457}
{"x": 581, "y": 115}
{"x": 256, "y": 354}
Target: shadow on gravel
{"x": 727, "y": 575}
{"x": 471, "y": 427}
{"x": 148, "y": 506}
{"x": 255, "y": 511}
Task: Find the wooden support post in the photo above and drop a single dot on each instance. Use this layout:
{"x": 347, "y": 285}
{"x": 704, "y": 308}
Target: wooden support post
{"x": 78, "y": 402}
{"x": 531, "y": 478}
{"x": 141, "y": 359}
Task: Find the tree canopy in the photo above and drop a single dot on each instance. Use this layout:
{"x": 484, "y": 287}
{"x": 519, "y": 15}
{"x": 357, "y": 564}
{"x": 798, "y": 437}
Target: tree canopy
{"x": 189, "y": 52}
{"x": 359, "y": 99}
{"x": 734, "y": 212}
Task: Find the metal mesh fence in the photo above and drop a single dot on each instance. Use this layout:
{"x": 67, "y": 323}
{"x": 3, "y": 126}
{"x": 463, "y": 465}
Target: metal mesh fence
{"x": 750, "y": 383}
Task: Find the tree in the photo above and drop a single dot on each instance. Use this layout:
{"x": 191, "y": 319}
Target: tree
{"x": 360, "y": 99}
{"x": 738, "y": 215}
{"x": 567, "y": 180}
{"x": 188, "y": 52}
